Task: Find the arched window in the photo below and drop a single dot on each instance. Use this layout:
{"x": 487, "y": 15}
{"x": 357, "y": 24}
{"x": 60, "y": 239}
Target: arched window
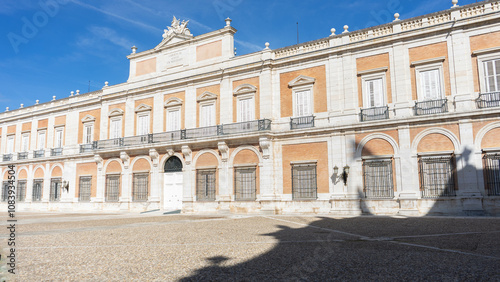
{"x": 173, "y": 164}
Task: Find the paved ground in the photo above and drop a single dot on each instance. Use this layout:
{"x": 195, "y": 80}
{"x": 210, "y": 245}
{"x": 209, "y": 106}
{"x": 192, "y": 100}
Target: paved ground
{"x": 153, "y": 246}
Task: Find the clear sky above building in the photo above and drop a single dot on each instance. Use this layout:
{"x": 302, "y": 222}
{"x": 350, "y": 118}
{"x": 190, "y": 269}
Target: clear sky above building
{"x": 52, "y": 47}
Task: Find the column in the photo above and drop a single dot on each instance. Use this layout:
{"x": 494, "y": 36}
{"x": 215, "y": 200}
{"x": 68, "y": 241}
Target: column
{"x": 129, "y": 117}
{"x": 188, "y": 175}
{"x": 29, "y": 185}
{"x": 266, "y": 170}
{"x": 190, "y": 108}
{"x": 460, "y": 65}
{"x": 224, "y": 185}
{"x": 126, "y": 178}
{"x": 408, "y": 165}
{"x": 154, "y": 197}
{"x": 101, "y": 180}
{"x": 158, "y": 111}
{"x": 401, "y": 80}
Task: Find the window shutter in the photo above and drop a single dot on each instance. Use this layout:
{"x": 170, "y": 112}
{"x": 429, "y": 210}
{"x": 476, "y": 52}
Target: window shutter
{"x": 173, "y": 120}
{"x": 303, "y": 100}
{"x": 10, "y": 145}
{"x": 207, "y": 115}
{"x": 41, "y": 140}
{"x": 25, "y": 146}
{"x": 59, "y": 137}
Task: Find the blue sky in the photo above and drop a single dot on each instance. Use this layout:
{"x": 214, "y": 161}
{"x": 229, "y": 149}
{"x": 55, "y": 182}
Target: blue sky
{"x": 52, "y": 47}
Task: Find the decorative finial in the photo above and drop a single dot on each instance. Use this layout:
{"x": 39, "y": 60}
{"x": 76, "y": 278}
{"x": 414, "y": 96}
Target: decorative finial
{"x": 454, "y": 2}
{"x": 134, "y": 49}
{"x": 228, "y": 22}
{"x": 72, "y": 93}
{"x": 106, "y": 84}
{"x": 396, "y": 17}
{"x": 267, "y": 45}
{"x": 346, "y": 27}
{"x": 332, "y": 31}
{"x": 77, "y": 92}
{"x": 36, "y": 102}
{"x": 6, "y": 109}
{"x": 54, "y": 98}
{"x": 22, "y": 106}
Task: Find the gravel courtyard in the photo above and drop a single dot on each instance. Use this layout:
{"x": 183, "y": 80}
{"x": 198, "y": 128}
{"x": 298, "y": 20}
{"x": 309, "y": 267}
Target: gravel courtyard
{"x": 154, "y": 246}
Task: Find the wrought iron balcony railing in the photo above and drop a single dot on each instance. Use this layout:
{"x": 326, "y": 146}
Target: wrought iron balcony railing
{"x": 39, "y": 153}
{"x": 488, "y": 100}
{"x": 201, "y": 132}
{"x": 431, "y": 107}
{"x": 301, "y": 122}
{"x": 22, "y": 155}
{"x": 7, "y": 157}
{"x": 56, "y": 151}
{"x": 375, "y": 113}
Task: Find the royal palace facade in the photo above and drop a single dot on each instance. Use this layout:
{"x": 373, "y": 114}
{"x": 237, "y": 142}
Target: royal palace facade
{"x": 401, "y": 118}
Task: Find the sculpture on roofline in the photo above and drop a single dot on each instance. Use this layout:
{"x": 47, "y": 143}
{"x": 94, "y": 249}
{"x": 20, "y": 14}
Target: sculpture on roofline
{"x": 177, "y": 27}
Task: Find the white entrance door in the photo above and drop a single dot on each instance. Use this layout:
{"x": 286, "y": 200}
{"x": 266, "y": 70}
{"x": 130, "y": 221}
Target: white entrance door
{"x": 172, "y": 191}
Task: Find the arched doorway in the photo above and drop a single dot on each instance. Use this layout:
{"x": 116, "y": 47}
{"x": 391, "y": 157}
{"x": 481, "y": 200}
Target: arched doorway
{"x": 173, "y": 183}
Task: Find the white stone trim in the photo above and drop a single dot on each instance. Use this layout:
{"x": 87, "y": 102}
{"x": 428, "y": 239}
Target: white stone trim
{"x": 137, "y": 159}
{"x": 245, "y": 147}
{"x": 437, "y": 130}
{"x": 105, "y": 167}
{"x": 172, "y": 102}
{"x": 206, "y": 96}
{"x": 432, "y": 65}
{"x": 493, "y": 54}
{"x": 116, "y": 112}
{"x": 383, "y": 136}
{"x": 35, "y": 169}
{"x": 428, "y": 61}
{"x": 380, "y": 74}
{"x": 54, "y": 166}
{"x": 143, "y": 108}
{"x": 301, "y": 80}
{"x": 166, "y": 157}
{"x": 211, "y": 151}
{"x": 87, "y": 118}
{"x": 244, "y": 89}
{"x": 382, "y": 69}
{"x": 485, "y": 51}
{"x": 482, "y": 132}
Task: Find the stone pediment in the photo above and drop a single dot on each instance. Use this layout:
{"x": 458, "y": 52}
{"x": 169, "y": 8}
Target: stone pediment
{"x": 206, "y": 96}
{"x": 244, "y": 89}
{"x": 177, "y": 32}
{"x": 172, "y": 102}
{"x": 143, "y": 108}
{"x": 115, "y": 112}
{"x": 88, "y": 118}
{"x": 301, "y": 80}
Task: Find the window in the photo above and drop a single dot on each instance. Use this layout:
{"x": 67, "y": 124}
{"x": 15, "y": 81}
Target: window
{"x": 430, "y": 85}
{"x": 140, "y": 187}
{"x": 205, "y": 184}
{"x": 173, "y": 119}
{"x": 437, "y": 176}
{"x": 37, "y": 190}
{"x": 84, "y": 188}
{"x": 41, "y": 140}
{"x": 378, "y": 178}
{"x": 492, "y": 75}
{"x": 25, "y": 142}
{"x": 59, "y": 137}
{"x": 55, "y": 189}
{"x": 5, "y": 191}
{"x": 88, "y": 133}
{"x": 207, "y": 117}
{"x": 303, "y": 103}
{"x": 304, "y": 181}
{"x": 246, "y": 108}
{"x": 492, "y": 173}
{"x": 21, "y": 190}
{"x": 10, "y": 144}
{"x": 374, "y": 93}
{"x": 112, "y": 187}
{"x": 244, "y": 183}
{"x": 143, "y": 123}
{"x": 115, "y": 130}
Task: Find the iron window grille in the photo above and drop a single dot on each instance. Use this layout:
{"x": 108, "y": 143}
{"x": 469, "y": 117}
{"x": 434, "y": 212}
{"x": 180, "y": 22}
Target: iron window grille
{"x": 376, "y": 113}
{"x": 205, "y": 184}
{"x": 304, "y": 183}
{"x": 21, "y": 190}
{"x": 431, "y": 107}
{"x": 491, "y": 164}
{"x": 173, "y": 164}
{"x": 36, "y": 195}
{"x": 488, "y": 100}
{"x": 378, "y": 178}
{"x": 22, "y": 156}
{"x": 112, "y": 187}
{"x": 245, "y": 184}
{"x": 302, "y": 122}
{"x": 437, "y": 176}
{"x": 140, "y": 187}
{"x": 84, "y": 189}
{"x": 5, "y": 191}
{"x": 55, "y": 189}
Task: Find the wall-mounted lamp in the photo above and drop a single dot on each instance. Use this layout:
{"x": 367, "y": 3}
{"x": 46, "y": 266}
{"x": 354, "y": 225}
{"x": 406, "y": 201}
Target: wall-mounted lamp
{"x": 65, "y": 185}
{"x": 343, "y": 175}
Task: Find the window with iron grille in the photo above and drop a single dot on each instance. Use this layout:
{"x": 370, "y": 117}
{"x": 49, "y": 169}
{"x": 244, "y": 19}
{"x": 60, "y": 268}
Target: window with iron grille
{"x": 492, "y": 173}
{"x": 21, "y": 190}
{"x": 244, "y": 183}
{"x": 140, "y": 187}
{"x": 437, "y": 176}
{"x": 5, "y": 191}
{"x": 36, "y": 196}
{"x": 304, "y": 181}
{"x": 378, "y": 178}
{"x": 112, "y": 187}
{"x": 55, "y": 189}
{"x": 205, "y": 184}
{"x": 84, "y": 188}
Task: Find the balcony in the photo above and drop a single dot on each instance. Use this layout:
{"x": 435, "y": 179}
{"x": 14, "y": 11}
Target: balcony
{"x": 7, "y": 157}
{"x": 22, "y": 156}
{"x": 163, "y": 137}
{"x": 488, "y": 100}
{"x": 431, "y": 107}
{"x": 376, "y": 113}
{"x": 39, "y": 153}
{"x": 302, "y": 122}
{"x": 56, "y": 152}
